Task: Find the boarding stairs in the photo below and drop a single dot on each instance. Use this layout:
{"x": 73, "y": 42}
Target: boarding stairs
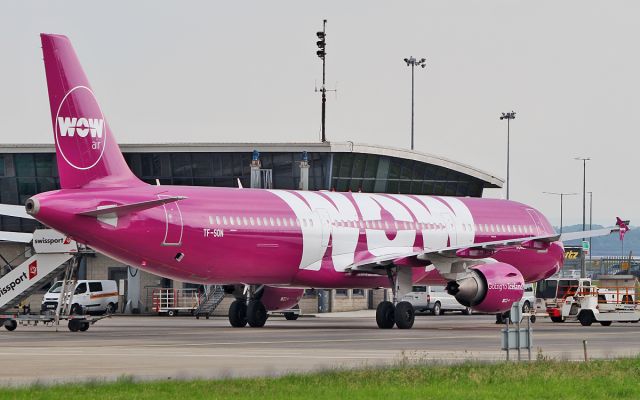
{"x": 212, "y": 297}
{"x": 21, "y": 281}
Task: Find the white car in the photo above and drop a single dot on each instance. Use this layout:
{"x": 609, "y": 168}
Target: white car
{"x": 89, "y": 296}
{"x": 528, "y": 300}
{"x": 434, "y": 299}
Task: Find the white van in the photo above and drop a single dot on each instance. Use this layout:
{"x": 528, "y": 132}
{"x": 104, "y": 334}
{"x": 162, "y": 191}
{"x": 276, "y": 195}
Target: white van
{"x": 434, "y": 299}
{"x": 96, "y": 297}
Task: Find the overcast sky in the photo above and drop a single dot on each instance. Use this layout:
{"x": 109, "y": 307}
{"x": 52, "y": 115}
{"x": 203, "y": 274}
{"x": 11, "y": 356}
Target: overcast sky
{"x": 206, "y": 71}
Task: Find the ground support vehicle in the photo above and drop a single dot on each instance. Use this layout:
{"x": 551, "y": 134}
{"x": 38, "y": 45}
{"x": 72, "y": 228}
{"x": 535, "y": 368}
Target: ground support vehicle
{"x": 604, "y": 304}
{"x": 291, "y": 314}
{"x": 552, "y": 292}
{"x": 76, "y": 323}
{"x": 174, "y": 301}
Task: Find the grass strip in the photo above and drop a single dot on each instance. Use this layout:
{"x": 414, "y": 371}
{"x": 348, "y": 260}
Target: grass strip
{"x": 603, "y": 379}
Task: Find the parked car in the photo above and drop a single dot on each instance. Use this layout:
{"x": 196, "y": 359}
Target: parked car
{"x": 528, "y": 300}
{"x": 95, "y": 297}
{"x": 434, "y": 299}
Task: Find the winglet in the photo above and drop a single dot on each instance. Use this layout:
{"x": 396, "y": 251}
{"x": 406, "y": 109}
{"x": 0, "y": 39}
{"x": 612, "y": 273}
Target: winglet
{"x": 623, "y": 225}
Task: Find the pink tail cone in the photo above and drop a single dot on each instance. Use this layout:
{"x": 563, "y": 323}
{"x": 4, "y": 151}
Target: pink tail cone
{"x": 87, "y": 152}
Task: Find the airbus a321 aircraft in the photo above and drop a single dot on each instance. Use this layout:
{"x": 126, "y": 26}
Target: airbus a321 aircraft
{"x": 268, "y": 245}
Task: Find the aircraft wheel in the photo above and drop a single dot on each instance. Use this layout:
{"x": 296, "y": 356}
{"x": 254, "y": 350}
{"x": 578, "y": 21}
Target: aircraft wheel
{"x": 256, "y": 314}
{"x": 404, "y": 315}
{"x": 10, "y": 324}
{"x": 291, "y": 316}
{"x": 238, "y": 314}
{"x": 74, "y": 325}
{"x": 585, "y": 318}
{"x": 385, "y": 315}
{"x": 84, "y": 326}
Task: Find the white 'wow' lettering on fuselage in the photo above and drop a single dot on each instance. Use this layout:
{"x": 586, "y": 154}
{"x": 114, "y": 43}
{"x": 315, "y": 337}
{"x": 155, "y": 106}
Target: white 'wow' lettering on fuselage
{"x": 341, "y": 217}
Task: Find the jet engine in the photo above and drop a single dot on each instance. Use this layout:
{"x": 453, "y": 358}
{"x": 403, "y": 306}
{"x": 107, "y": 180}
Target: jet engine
{"x": 490, "y": 288}
{"x": 276, "y": 298}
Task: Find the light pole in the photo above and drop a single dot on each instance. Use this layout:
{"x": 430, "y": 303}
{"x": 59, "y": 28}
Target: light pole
{"x": 412, "y": 62}
{"x": 508, "y": 116}
{"x": 583, "y": 269}
{"x": 561, "y": 202}
{"x": 322, "y": 53}
{"x": 590, "y": 224}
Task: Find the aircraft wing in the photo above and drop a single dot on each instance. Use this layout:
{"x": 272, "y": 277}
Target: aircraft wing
{"x": 486, "y": 249}
{"x": 13, "y": 210}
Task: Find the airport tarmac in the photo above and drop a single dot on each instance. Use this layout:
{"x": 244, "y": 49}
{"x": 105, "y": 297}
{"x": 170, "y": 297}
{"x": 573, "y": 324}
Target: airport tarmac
{"x": 183, "y": 347}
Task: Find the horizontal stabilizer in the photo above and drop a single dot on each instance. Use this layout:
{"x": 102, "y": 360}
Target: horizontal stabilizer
{"x": 128, "y": 208}
{"x": 12, "y": 210}
{"x": 18, "y": 237}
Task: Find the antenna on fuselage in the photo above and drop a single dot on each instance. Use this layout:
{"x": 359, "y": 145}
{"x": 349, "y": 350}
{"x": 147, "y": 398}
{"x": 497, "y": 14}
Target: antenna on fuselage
{"x": 157, "y": 182}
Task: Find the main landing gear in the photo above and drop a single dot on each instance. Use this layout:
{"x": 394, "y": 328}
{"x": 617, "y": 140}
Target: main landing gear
{"x": 247, "y": 307}
{"x": 402, "y": 314}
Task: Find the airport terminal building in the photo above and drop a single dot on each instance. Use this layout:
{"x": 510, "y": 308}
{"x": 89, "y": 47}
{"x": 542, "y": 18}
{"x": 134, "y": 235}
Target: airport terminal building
{"x": 26, "y": 170}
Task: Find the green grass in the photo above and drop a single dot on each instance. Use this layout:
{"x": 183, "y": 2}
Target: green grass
{"x": 617, "y": 379}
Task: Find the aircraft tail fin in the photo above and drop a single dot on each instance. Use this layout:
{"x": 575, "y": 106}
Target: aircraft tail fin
{"x": 86, "y": 150}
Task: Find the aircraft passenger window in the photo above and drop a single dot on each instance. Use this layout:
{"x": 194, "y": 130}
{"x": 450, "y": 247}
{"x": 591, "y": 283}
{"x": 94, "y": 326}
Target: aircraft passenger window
{"x": 245, "y": 221}
{"x": 210, "y": 220}
{"x": 251, "y": 221}
{"x": 311, "y": 222}
{"x": 271, "y": 221}
{"x": 278, "y": 222}
{"x": 304, "y": 222}
{"x": 520, "y": 228}
{"x": 379, "y": 223}
{"x": 217, "y": 220}
{"x": 231, "y": 221}
{"x": 291, "y": 223}
{"x": 386, "y": 225}
{"x": 224, "y": 220}
{"x": 297, "y": 222}
{"x": 259, "y": 221}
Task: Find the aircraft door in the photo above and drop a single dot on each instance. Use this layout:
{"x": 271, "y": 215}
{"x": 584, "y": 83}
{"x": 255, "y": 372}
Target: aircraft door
{"x": 325, "y": 226}
{"x": 451, "y": 228}
{"x": 173, "y": 221}
{"x": 536, "y": 221}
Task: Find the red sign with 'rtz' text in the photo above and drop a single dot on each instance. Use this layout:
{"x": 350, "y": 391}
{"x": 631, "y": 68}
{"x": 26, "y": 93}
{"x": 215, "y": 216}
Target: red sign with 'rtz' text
{"x": 33, "y": 269}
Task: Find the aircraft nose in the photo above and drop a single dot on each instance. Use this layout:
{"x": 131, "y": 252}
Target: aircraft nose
{"x": 32, "y": 206}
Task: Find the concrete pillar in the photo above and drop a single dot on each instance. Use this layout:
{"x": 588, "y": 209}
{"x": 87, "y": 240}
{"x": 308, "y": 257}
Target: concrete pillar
{"x": 256, "y": 178}
{"x": 133, "y": 306}
{"x": 304, "y": 172}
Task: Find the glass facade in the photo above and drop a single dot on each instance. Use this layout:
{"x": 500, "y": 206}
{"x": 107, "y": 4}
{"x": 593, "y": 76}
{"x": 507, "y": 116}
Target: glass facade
{"x": 24, "y": 174}
{"x": 373, "y": 173}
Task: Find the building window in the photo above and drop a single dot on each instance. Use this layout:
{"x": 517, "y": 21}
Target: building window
{"x": 342, "y": 292}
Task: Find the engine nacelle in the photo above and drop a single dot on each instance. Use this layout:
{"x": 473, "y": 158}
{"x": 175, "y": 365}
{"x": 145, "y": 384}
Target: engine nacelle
{"x": 490, "y": 288}
{"x": 275, "y": 298}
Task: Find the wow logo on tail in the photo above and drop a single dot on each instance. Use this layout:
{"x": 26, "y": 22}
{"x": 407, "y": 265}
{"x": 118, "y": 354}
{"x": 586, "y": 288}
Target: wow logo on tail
{"x": 80, "y": 130}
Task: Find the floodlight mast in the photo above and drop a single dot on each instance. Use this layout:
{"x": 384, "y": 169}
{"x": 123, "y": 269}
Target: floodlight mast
{"x": 508, "y": 116}
{"x": 322, "y": 53}
{"x": 412, "y": 62}
{"x": 583, "y": 267}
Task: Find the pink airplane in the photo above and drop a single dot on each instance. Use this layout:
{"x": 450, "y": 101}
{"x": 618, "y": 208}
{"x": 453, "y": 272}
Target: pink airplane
{"x": 268, "y": 245}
